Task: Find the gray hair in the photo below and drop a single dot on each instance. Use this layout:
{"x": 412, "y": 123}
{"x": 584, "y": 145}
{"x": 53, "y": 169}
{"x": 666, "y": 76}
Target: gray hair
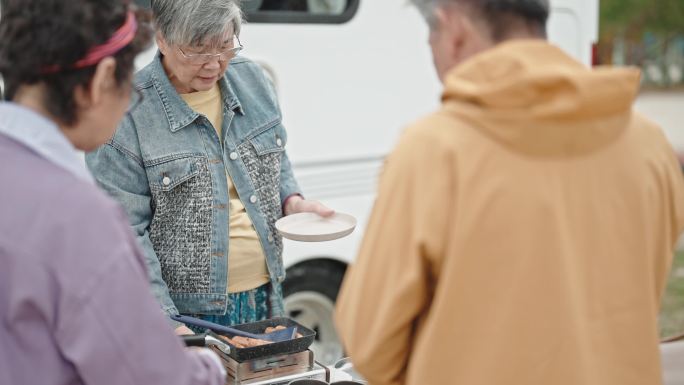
{"x": 494, "y": 11}
{"x": 195, "y": 22}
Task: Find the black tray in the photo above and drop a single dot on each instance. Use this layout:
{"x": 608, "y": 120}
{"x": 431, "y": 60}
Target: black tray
{"x": 294, "y": 345}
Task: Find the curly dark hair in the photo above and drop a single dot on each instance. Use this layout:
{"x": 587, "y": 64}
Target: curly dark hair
{"x": 35, "y": 34}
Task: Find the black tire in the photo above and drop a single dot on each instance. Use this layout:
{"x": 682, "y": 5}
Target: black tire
{"x": 310, "y": 292}
{"x": 320, "y": 275}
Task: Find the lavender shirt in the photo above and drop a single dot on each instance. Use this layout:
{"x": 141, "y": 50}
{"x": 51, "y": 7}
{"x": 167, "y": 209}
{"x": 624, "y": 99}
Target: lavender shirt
{"x": 75, "y": 304}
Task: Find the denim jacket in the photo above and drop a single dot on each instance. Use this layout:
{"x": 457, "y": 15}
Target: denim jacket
{"x": 167, "y": 166}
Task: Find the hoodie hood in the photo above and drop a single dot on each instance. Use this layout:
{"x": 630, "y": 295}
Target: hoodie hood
{"x": 534, "y": 98}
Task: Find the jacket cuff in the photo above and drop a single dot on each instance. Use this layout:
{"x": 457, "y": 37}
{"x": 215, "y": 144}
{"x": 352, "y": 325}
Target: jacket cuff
{"x": 168, "y": 312}
{"x": 288, "y": 198}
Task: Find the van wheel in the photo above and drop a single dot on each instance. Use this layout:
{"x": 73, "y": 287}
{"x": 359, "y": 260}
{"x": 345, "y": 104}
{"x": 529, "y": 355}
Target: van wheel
{"x": 310, "y": 291}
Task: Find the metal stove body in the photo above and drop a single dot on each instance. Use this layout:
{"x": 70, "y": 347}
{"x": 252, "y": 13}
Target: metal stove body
{"x": 275, "y": 370}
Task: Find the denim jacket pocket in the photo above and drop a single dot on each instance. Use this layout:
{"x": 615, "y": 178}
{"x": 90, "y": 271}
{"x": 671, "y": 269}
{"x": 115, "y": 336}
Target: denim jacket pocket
{"x": 268, "y": 141}
{"x": 167, "y": 175}
{"x": 180, "y": 230}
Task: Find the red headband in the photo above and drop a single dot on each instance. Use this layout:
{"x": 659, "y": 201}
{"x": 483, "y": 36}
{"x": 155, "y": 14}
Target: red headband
{"x": 120, "y": 39}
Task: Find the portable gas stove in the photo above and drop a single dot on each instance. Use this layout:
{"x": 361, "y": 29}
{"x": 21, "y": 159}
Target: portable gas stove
{"x": 275, "y": 370}
{"x": 275, "y": 363}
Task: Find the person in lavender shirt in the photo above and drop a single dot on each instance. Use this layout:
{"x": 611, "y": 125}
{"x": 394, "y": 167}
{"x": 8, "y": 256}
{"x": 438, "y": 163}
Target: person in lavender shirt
{"x": 75, "y": 305}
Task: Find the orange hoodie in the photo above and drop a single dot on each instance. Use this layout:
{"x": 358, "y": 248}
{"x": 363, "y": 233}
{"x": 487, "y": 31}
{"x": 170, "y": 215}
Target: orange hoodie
{"x": 522, "y": 234}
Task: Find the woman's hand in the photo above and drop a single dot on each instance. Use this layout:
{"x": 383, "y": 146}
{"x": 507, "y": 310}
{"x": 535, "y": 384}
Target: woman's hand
{"x": 183, "y": 331}
{"x": 296, "y": 204}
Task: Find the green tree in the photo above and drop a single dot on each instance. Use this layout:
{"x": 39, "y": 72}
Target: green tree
{"x": 665, "y": 19}
{"x": 621, "y": 22}
{"x": 626, "y": 21}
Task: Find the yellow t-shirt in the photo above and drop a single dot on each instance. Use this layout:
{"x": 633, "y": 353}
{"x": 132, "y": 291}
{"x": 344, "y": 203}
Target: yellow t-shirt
{"x": 246, "y": 260}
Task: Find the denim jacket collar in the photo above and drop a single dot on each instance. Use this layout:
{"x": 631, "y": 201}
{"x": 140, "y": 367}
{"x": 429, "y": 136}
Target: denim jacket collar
{"x": 178, "y": 112}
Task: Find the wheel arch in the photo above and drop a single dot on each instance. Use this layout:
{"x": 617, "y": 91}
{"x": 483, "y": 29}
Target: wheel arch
{"x": 319, "y": 261}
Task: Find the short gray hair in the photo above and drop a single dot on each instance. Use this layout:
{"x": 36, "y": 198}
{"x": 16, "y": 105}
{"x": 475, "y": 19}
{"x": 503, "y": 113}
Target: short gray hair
{"x": 532, "y": 11}
{"x": 194, "y": 22}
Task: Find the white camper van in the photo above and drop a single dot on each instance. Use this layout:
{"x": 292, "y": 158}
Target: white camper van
{"x": 350, "y": 74}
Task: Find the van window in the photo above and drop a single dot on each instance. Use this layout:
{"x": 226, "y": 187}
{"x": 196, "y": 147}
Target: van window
{"x": 294, "y": 11}
{"x": 300, "y": 11}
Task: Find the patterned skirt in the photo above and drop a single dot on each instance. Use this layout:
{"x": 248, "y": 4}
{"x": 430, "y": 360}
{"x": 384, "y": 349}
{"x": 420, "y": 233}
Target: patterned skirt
{"x": 247, "y": 306}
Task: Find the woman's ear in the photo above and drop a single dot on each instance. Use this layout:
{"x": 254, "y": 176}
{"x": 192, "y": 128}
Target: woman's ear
{"x": 104, "y": 80}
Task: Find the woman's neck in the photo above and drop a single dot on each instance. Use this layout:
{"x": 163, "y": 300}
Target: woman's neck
{"x": 31, "y": 97}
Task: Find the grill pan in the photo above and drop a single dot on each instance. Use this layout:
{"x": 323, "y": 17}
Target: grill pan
{"x": 294, "y": 345}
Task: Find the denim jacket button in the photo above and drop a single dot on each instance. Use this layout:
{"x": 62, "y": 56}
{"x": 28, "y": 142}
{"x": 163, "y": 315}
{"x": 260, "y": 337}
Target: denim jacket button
{"x": 270, "y": 237}
{"x": 233, "y": 155}
{"x": 279, "y": 142}
{"x": 166, "y": 181}
{"x": 253, "y": 199}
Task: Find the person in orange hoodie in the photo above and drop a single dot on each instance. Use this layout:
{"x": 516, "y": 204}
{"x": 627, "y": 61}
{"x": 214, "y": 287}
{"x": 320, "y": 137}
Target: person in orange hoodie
{"x": 523, "y": 232}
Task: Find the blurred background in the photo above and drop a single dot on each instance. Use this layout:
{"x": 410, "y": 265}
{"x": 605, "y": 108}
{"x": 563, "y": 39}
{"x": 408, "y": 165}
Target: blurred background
{"x": 650, "y": 34}
{"x": 644, "y": 33}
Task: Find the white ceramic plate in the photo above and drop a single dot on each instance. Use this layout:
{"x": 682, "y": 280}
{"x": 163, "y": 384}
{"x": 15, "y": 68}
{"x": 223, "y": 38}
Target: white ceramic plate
{"x": 310, "y": 227}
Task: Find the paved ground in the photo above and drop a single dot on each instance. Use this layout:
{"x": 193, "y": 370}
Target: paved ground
{"x": 673, "y": 363}
{"x": 667, "y": 109}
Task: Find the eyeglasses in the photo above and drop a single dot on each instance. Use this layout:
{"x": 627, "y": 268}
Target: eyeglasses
{"x": 204, "y": 58}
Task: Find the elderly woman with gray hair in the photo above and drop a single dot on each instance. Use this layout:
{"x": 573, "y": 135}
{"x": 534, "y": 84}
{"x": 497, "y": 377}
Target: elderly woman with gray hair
{"x": 201, "y": 169}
